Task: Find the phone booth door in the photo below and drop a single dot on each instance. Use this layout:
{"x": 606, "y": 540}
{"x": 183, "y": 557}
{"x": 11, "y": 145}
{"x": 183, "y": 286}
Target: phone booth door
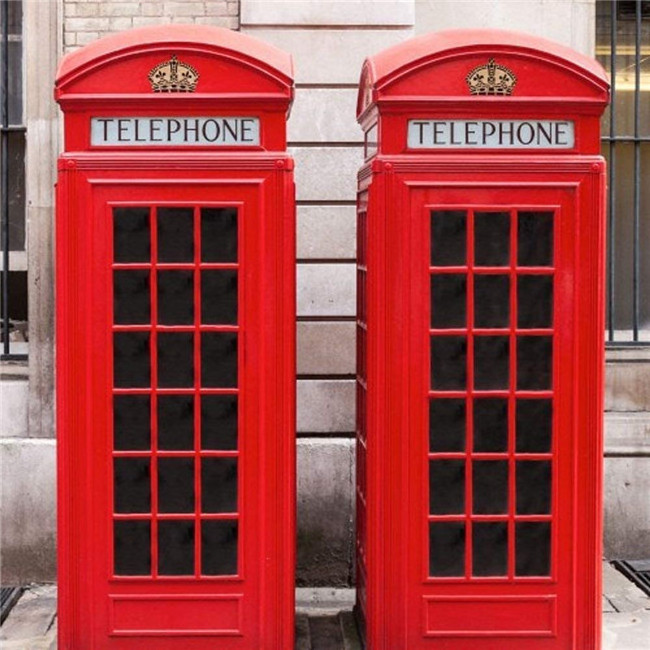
{"x": 494, "y": 433}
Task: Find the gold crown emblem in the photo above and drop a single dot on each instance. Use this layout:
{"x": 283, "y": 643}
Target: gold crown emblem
{"x": 491, "y": 79}
{"x": 173, "y": 76}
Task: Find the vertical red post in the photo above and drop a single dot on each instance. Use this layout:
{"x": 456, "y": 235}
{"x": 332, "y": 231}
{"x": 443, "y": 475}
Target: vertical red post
{"x": 480, "y": 344}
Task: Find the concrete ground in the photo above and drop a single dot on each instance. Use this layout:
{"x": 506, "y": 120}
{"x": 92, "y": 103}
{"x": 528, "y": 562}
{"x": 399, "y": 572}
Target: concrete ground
{"x": 324, "y": 618}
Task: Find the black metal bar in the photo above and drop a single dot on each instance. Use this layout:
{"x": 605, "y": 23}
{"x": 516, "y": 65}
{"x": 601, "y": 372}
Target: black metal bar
{"x": 637, "y": 175}
{"x": 611, "y": 258}
{"x": 4, "y": 160}
{"x": 626, "y": 138}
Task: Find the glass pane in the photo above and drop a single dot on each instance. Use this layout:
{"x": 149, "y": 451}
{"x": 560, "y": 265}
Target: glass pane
{"x": 446, "y": 487}
{"x": 175, "y": 235}
{"x": 448, "y": 301}
{"x": 131, "y": 365}
{"x": 491, "y": 301}
{"x": 176, "y": 485}
{"x": 131, "y": 237}
{"x": 491, "y": 239}
{"x": 176, "y": 297}
{"x": 534, "y": 362}
{"x": 490, "y": 549}
{"x": 16, "y": 190}
{"x": 175, "y": 359}
{"x": 131, "y": 422}
{"x": 532, "y": 548}
{"x": 446, "y": 549}
{"x": 175, "y": 548}
{"x": 534, "y": 425}
{"x": 132, "y": 548}
{"x": 219, "y": 422}
{"x": 534, "y": 301}
{"x": 219, "y": 485}
{"x": 491, "y": 425}
{"x": 491, "y": 362}
{"x": 219, "y": 235}
{"x": 15, "y": 73}
{"x": 132, "y": 481}
{"x": 448, "y": 237}
{"x": 533, "y": 487}
{"x": 131, "y": 300}
{"x": 175, "y": 422}
{"x": 490, "y": 483}
{"x": 446, "y": 425}
{"x": 535, "y": 239}
{"x": 448, "y": 362}
{"x": 219, "y": 297}
{"x": 219, "y": 548}
{"x": 219, "y": 360}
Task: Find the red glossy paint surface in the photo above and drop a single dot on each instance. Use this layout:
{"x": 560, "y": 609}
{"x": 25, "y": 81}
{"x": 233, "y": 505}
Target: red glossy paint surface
{"x": 251, "y": 606}
{"x": 407, "y": 598}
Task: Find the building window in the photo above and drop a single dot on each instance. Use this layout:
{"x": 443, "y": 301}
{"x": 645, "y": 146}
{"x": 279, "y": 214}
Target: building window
{"x": 13, "y": 260}
{"x": 623, "y": 47}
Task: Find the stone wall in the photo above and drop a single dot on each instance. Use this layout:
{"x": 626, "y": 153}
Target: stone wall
{"x": 86, "y": 21}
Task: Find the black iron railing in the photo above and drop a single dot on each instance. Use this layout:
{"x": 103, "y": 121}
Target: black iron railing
{"x": 625, "y": 144}
{"x": 11, "y": 164}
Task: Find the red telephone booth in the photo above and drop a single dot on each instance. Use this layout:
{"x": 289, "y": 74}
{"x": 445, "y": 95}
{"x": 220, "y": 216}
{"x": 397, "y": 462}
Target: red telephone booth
{"x": 480, "y": 345}
{"x": 175, "y": 343}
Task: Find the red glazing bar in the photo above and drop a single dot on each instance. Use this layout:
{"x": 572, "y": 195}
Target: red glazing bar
{"x": 153, "y": 221}
{"x": 512, "y": 403}
{"x": 470, "y": 406}
{"x": 197, "y": 392}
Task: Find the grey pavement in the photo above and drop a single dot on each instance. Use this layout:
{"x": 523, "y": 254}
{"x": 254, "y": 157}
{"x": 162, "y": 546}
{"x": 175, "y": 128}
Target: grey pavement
{"x": 324, "y": 618}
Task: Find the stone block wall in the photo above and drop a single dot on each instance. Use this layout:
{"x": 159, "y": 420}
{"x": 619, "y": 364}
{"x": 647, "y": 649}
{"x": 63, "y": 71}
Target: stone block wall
{"x": 85, "y": 21}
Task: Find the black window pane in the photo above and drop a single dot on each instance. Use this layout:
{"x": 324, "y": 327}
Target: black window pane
{"x": 491, "y": 362}
{"x": 132, "y": 481}
{"x": 175, "y": 422}
{"x": 534, "y": 301}
{"x": 491, "y": 301}
{"x": 175, "y": 359}
{"x": 533, "y": 487}
{"x": 448, "y": 237}
{"x": 131, "y": 301}
{"x": 132, "y": 548}
{"x": 219, "y": 485}
{"x": 535, "y": 239}
{"x": 219, "y": 360}
{"x": 175, "y": 297}
{"x": 448, "y": 301}
{"x": 219, "y": 422}
{"x": 534, "y": 418}
{"x": 131, "y": 422}
{"x": 490, "y": 425}
{"x": 532, "y": 548}
{"x": 490, "y": 487}
{"x": 175, "y": 548}
{"x": 446, "y": 487}
{"x": 176, "y": 485}
{"x": 219, "y": 548}
{"x": 490, "y": 549}
{"x": 446, "y": 425}
{"x": 534, "y": 362}
{"x": 491, "y": 239}
{"x": 131, "y": 365}
{"x": 446, "y": 549}
{"x": 131, "y": 236}
{"x": 219, "y": 297}
{"x": 448, "y": 362}
{"x": 219, "y": 234}
{"x": 175, "y": 235}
